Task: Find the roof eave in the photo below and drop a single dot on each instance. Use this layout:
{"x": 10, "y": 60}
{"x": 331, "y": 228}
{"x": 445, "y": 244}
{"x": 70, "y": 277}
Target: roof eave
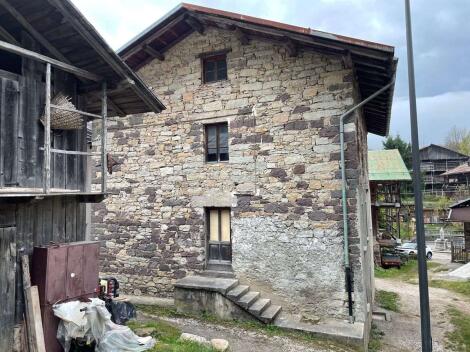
{"x": 95, "y": 40}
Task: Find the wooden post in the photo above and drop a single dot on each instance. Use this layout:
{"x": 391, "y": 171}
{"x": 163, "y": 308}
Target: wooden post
{"x": 451, "y": 251}
{"x": 47, "y": 132}
{"x": 104, "y": 115}
{"x": 33, "y": 311}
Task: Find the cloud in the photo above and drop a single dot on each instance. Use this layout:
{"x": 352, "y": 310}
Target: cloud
{"x": 118, "y": 21}
{"x": 436, "y": 116}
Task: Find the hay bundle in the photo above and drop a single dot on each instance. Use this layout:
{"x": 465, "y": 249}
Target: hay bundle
{"x": 62, "y": 119}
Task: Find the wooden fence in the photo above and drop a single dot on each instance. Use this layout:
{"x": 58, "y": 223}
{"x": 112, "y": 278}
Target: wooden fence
{"x": 458, "y": 253}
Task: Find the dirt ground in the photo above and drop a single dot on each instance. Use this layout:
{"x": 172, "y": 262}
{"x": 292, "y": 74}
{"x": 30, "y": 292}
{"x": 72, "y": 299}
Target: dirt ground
{"x": 403, "y": 332}
{"x": 242, "y": 340}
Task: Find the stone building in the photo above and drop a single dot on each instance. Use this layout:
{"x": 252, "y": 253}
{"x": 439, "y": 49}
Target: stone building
{"x": 242, "y": 173}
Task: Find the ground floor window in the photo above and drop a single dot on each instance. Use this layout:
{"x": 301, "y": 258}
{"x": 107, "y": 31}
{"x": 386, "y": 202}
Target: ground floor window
{"x": 219, "y": 235}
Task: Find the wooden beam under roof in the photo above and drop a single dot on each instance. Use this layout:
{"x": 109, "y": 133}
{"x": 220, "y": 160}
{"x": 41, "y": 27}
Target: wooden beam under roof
{"x": 39, "y": 57}
{"x": 155, "y": 35}
{"x": 242, "y": 36}
{"x": 195, "y": 24}
{"x": 107, "y": 54}
{"x": 8, "y": 37}
{"x": 154, "y": 53}
{"x": 292, "y": 48}
{"x": 38, "y": 36}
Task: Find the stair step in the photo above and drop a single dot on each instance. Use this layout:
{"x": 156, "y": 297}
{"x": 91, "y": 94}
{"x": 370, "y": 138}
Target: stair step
{"x": 218, "y": 274}
{"x": 270, "y": 314}
{"x": 248, "y": 298}
{"x": 259, "y": 306}
{"x": 238, "y": 291}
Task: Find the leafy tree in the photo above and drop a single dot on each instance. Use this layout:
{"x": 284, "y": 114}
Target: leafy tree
{"x": 403, "y": 147}
{"x": 458, "y": 139}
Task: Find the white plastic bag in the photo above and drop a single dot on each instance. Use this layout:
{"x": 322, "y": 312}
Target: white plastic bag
{"x": 112, "y": 337}
{"x": 93, "y": 322}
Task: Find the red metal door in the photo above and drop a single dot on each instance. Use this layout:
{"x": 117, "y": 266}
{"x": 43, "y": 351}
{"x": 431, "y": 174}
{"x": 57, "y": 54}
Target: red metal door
{"x": 74, "y": 281}
{"x": 91, "y": 253}
{"x": 56, "y": 272}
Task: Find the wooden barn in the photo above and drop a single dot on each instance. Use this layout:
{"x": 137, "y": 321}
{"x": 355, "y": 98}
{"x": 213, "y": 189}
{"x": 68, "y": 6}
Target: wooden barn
{"x": 57, "y": 75}
{"x": 436, "y": 160}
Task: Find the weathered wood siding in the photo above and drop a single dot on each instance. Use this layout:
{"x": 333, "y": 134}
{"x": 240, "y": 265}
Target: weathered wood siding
{"x": 7, "y": 286}
{"x": 23, "y": 226}
{"x": 22, "y": 134}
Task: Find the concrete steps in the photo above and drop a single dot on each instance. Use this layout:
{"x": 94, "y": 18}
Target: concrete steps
{"x": 241, "y": 295}
{"x": 251, "y": 301}
{"x": 237, "y": 292}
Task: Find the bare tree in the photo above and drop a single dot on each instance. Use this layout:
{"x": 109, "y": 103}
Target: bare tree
{"x": 458, "y": 139}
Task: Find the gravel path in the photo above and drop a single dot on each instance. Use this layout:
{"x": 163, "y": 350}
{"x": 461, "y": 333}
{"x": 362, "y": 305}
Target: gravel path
{"x": 242, "y": 340}
{"x": 403, "y": 332}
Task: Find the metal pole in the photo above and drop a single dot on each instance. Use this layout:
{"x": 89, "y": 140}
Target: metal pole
{"x": 426, "y": 340}
{"x": 47, "y": 132}
{"x": 104, "y": 115}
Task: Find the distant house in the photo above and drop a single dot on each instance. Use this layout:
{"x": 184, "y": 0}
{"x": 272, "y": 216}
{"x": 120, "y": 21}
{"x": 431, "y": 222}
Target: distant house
{"x": 458, "y": 176}
{"x": 387, "y": 171}
{"x": 460, "y": 212}
{"x": 435, "y": 161}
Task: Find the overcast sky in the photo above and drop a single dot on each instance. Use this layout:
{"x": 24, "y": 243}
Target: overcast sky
{"x": 441, "y": 31}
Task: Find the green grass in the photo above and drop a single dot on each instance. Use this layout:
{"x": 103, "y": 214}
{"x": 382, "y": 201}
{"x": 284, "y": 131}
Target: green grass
{"x": 269, "y": 330}
{"x": 459, "y": 339}
{"x": 375, "y": 340}
{"x": 408, "y": 271}
{"x": 387, "y": 300}
{"x": 461, "y": 287}
{"x": 167, "y": 337}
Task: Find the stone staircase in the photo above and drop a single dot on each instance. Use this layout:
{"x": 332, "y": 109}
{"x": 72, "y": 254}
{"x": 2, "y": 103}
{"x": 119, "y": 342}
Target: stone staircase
{"x": 249, "y": 301}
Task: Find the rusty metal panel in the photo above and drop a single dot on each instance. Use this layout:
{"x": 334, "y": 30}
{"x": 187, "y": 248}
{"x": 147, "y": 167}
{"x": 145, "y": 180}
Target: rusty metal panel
{"x": 55, "y": 274}
{"x": 91, "y": 253}
{"x": 74, "y": 281}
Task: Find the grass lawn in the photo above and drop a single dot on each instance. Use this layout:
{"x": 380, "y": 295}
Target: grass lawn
{"x": 462, "y": 287}
{"x": 459, "y": 339}
{"x": 167, "y": 337}
{"x": 408, "y": 271}
{"x": 387, "y": 300}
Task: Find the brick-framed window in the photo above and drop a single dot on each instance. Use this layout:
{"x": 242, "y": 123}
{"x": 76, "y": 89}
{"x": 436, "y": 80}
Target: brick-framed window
{"x": 214, "y": 68}
{"x": 217, "y": 142}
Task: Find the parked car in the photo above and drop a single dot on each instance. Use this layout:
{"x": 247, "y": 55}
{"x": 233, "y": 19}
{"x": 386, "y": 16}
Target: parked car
{"x": 411, "y": 249}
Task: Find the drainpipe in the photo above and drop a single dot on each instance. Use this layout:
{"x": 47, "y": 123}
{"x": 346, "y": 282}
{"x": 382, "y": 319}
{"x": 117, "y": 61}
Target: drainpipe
{"x": 348, "y": 272}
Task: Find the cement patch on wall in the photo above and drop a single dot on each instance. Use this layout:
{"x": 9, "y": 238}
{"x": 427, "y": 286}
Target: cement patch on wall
{"x": 302, "y": 267}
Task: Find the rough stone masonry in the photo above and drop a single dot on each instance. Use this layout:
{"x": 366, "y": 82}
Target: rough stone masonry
{"x": 282, "y": 181}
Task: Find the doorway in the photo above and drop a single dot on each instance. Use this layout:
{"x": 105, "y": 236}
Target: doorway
{"x": 219, "y": 238}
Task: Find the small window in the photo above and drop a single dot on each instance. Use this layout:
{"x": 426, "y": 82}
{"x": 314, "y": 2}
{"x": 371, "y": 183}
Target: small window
{"x": 214, "y": 68}
{"x": 217, "y": 142}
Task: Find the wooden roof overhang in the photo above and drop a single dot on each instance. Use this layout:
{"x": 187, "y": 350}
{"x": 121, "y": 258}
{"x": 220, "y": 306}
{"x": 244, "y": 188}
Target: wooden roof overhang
{"x": 64, "y": 34}
{"x": 374, "y": 64}
{"x": 460, "y": 211}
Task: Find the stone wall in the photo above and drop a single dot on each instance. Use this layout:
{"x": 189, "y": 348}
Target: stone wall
{"x": 282, "y": 182}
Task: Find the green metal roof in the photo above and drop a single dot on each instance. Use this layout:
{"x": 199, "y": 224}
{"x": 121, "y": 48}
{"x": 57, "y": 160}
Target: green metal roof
{"x": 387, "y": 165}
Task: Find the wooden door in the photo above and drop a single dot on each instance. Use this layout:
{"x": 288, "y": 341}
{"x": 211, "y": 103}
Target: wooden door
{"x": 219, "y": 236}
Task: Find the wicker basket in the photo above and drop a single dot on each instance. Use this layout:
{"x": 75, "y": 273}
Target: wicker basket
{"x": 62, "y": 119}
